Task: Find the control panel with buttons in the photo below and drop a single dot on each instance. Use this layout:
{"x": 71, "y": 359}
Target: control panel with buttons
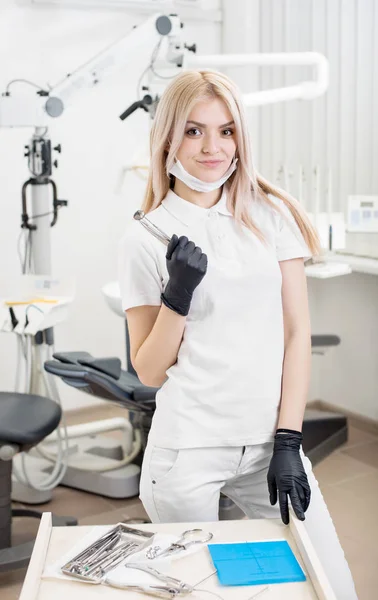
{"x": 363, "y": 214}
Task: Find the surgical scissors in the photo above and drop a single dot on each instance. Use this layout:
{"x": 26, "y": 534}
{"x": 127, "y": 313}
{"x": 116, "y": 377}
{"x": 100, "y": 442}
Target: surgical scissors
{"x": 153, "y": 229}
{"x": 187, "y": 539}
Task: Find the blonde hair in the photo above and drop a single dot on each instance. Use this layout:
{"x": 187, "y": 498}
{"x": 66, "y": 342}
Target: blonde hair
{"x": 245, "y": 185}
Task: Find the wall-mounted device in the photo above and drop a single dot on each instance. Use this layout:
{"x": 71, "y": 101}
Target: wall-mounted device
{"x": 363, "y": 214}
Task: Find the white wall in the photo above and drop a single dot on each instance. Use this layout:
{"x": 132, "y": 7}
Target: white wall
{"x": 43, "y": 44}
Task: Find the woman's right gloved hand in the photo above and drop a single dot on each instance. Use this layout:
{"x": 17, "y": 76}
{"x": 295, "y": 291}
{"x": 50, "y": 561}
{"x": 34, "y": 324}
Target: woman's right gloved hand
{"x": 187, "y": 265}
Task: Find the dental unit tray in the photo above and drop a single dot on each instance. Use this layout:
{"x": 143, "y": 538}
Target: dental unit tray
{"x": 104, "y": 554}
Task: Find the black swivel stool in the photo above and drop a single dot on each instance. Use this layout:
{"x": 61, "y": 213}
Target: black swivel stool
{"x": 25, "y": 420}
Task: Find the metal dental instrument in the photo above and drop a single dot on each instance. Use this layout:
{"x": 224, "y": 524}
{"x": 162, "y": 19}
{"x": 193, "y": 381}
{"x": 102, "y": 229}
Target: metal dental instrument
{"x": 105, "y": 543}
{"x": 187, "y": 539}
{"x": 105, "y": 553}
{"x": 108, "y": 562}
{"x": 184, "y": 588}
{"x": 80, "y": 567}
{"x": 153, "y": 229}
{"x": 162, "y": 591}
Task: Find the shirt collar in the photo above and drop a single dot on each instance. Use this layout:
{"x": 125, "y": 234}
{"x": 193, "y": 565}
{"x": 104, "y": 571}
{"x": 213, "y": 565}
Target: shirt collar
{"x": 188, "y": 213}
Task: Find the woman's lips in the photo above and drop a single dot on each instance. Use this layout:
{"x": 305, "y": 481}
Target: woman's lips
{"x": 210, "y": 163}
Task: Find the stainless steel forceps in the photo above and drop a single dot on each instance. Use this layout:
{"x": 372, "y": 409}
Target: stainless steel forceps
{"x": 187, "y": 539}
{"x": 172, "y": 588}
{"x": 153, "y": 229}
{"x": 183, "y": 588}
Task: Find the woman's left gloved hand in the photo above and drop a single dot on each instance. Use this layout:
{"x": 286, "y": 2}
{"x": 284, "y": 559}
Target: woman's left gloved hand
{"x": 286, "y": 475}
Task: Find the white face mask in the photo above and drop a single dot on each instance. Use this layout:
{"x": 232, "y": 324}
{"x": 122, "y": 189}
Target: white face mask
{"x": 197, "y": 184}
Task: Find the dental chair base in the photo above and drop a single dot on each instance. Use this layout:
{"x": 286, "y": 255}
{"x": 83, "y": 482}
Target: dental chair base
{"x": 120, "y": 482}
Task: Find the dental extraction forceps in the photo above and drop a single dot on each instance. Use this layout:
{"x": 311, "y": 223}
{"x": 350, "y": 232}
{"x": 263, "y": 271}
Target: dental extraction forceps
{"x": 153, "y": 229}
{"x": 172, "y": 589}
{"x": 183, "y": 588}
{"x": 187, "y": 539}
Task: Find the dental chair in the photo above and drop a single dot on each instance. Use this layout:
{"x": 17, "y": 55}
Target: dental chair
{"x": 103, "y": 377}
{"x": 25, "y": 420}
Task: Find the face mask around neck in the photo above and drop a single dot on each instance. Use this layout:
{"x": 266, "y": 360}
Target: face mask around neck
{"x": 197, "y": 184}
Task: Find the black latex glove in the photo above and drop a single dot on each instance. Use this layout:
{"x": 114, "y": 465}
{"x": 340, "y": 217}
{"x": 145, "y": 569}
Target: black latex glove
{"x": 186, "y": 266}
{"x": 286, "y": 475}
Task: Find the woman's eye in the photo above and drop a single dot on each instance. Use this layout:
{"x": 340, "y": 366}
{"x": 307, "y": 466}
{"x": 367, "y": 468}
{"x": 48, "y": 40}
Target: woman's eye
{"x": 193, "y": 132}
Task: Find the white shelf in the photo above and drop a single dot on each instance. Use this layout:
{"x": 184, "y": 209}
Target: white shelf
{"x": 358, "y": 264}
{"x": 326, "y": 270}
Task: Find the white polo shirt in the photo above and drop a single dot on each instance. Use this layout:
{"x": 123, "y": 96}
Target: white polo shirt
{"x": 225, "y": 388}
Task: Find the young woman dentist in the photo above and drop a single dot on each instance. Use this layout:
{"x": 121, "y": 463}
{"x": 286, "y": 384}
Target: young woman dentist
{"x": 220, "y": 321}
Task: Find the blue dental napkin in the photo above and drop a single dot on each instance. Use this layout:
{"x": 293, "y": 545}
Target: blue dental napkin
{"x": 255, "y": 563}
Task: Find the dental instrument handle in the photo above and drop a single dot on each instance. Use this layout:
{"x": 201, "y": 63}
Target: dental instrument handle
{"x": 184, "y": 587}
{"x": 162, "y": 591}
{"x": 109, "y": 559}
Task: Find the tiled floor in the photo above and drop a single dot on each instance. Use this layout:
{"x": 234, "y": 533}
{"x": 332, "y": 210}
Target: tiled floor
{"x": 348, "y": 479}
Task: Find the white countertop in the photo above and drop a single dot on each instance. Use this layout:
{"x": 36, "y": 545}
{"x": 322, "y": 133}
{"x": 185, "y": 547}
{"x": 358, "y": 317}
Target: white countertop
{"x": 358, "y": 264}
{"x": 335, "y": 265}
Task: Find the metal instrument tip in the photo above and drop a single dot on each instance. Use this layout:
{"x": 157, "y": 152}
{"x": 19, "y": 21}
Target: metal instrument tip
{"x": 139, "y": 215}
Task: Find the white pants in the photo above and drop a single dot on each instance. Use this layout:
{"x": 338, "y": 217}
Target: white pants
{"x": 184, "y": 486}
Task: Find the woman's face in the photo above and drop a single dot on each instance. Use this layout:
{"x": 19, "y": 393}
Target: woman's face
{"x": 209, "y": 141}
